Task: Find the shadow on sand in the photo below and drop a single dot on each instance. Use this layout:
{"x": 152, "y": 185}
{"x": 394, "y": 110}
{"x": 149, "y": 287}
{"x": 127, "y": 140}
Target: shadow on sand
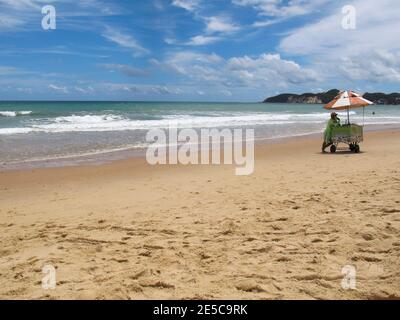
{"x": 342, "y": 152}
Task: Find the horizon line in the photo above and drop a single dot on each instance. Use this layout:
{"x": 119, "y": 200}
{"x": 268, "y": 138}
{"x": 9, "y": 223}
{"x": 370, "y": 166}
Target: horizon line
{"x": 179, "y": 101}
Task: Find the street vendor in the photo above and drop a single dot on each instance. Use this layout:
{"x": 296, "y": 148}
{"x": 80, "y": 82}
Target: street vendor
{"x": 334, "y": 121}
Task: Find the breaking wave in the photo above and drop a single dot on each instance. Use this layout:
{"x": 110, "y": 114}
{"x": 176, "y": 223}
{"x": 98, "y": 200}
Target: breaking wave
{"x": 14, "y": 113}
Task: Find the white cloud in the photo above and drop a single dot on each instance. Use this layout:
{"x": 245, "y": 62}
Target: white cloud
{"x": 378, "y": 66}
{"x": 192, "y": 64}
{"x": 161, "y": 90}
{"x": 9, "y": 23}
{"x": 202, "y": 40}
{"x": 189, "y": 5}
{"x": 216, "y": 30}
{"x": 124, "y": 40}
{"x": 220, "y": 24}
{"x": 22, "y": 4}
{"x": 275, "y": 11}
{"x": 376, "y": 22}
{"x": 226, "y": 93}
{"x": 216, "y": 27}
{"x": 98, "y": 7}
{"x": 271, "y": 70}
{"x": 280, "y": 8}
{"x": 27, "y": 13}
{"x": 171, "y": 41}
{"x": 370, "y": 52}
{"x": 263, "y": 71}
{"x": 58, "y": 88}
{"x": 84, "y": 90}
{"x": 266, "y": 23}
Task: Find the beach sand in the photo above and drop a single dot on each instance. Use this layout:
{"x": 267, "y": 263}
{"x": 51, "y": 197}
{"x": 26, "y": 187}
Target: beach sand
{"x": 127, "y": 230}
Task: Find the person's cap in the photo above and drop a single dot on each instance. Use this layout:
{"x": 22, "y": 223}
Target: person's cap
{"x": 333, "y": 114}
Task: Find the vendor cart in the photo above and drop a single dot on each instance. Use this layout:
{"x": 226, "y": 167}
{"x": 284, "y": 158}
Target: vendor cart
{"x": 349, "y": 133}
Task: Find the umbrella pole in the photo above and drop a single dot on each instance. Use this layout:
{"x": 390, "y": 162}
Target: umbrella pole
{"x": 348, "y": 117}
{"x": 363, "y": 116}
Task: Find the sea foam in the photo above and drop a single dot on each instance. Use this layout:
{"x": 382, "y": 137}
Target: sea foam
{"x": 114, "y": 122}
{"x": 14, "y": 113}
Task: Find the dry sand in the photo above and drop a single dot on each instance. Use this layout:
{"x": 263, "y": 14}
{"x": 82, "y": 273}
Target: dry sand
{"x": 127, "y": 230}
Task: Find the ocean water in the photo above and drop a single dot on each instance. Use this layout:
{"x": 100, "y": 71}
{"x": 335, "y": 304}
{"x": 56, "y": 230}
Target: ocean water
{"x": 34, "y": 132}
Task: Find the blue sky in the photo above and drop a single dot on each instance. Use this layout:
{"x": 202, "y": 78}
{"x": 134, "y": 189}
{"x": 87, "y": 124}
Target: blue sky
{"x": 197, "y": 50}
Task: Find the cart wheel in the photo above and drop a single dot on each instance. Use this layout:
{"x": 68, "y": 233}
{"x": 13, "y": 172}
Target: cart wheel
{"x": 333, "y": 148}
{"x": 352, "y": 147}
{"x": 357, "y": 148}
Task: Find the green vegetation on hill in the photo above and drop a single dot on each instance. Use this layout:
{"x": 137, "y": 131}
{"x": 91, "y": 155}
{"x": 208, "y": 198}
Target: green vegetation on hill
{"x": 382, "y": 98}
{"x": 325, "y": 97}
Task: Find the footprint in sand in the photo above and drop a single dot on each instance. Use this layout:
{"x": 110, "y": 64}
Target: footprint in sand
{"x": 394, "y": 210}
{"x": 248, "y": 286}
{"x": 367, "y": 236}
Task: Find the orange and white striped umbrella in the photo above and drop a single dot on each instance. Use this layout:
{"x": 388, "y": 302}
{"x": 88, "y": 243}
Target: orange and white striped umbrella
{"x": 347, "y": 100}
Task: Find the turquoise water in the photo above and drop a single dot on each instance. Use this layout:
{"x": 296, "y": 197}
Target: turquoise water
{"x": 51, "y": 130}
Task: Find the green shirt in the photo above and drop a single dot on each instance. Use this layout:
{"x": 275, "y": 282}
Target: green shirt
{"x": 329, "y": 129}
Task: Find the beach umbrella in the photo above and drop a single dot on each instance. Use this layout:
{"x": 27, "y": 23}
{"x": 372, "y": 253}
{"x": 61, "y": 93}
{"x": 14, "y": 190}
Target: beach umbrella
{"x": 347, "y": 100}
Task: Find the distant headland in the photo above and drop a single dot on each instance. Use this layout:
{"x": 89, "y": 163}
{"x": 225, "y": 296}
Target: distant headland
{"x": 325, "y": 97}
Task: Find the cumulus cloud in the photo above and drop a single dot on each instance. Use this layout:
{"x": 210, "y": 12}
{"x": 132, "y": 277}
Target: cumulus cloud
{"x": 269, "y": 70}
{"x": 203, "y": 67}
{"x": 265, "y": 70}
{"x": 377, "y": 66}
{"x": 368, "y": 52}
{"x": 220, "y": 24}
{"x": 374, "y": 29}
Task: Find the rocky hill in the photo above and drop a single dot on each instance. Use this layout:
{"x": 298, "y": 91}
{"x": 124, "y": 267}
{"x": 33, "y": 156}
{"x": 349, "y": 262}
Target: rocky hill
{"x": 382, "y": 98}
{"x": 325, "y": 97}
